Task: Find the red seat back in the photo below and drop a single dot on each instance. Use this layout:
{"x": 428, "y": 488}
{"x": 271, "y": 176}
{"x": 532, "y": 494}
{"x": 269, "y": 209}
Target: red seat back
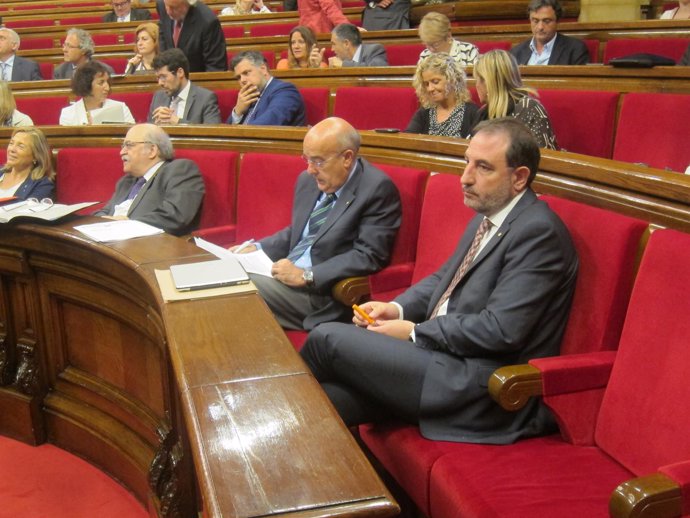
{"x": 265, "y": 189}
{"x": 271, "y": 29}
{"x": 593, "y": 48}
{"x": 582, "y": 120}
{"x": 226, "y": 102}
{"x": 42, "y": 110}
{"x": 87, "y": 174}
{"x": 668, "y": 47}
{"x": 36, "y": 43}
{"x": 105, "y": 39}
{"x": 315, "y": 103}
{"x": 486, "y": 46}
{"x": 404, "y": 55}
{"x": 652, "y": 130}
{"x": 81, "y": 20}
{"x": 606, "y": 244}
{"x": 219, "y": 169}
{"x": 368, "y": 108}
{"x": 118, "y": 64}
{"x": 138, "y": 103}
{"x": 233, "y": 31}
{"x": 46, "y": 69}
{"x": 643, "y": 423}
{"x": 17, "y": 24}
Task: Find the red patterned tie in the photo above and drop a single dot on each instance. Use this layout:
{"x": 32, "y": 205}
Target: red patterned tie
{"x": 176, "y": 32}
{"x": 484, "y": 227}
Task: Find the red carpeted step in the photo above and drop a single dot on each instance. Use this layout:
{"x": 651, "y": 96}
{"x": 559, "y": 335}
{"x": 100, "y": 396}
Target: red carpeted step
{"x": 37, "y": 482}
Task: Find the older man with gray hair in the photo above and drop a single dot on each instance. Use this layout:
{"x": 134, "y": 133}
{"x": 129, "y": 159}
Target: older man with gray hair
{"x": 77, "y": 49}
{"x": 13, "y": 67}
{"x": 156, "y": 188}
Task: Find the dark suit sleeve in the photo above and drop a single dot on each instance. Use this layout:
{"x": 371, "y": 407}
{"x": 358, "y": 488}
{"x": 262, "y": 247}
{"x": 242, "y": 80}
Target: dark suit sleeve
{"x": 685, "y": 60}
{"x": 211, "y": 111}
{"x": 285, "y": 108}
{"x": 579, "y": 54}
{"x": 374, "y": 56}
{"x": 521, "y": 52}
{"x": 140, "y": 15}
{"x": 214, "y": 51}
{"x": 35, "y": 73}
{"x": 531, "y": 272}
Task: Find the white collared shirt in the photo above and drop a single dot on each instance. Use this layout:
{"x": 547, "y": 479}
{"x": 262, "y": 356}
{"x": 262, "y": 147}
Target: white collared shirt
{"x": 7, "y": 66}
{"x": 183, "y": 95}
{"x": 122, "y": 209}
{"x": 543, "y": 58}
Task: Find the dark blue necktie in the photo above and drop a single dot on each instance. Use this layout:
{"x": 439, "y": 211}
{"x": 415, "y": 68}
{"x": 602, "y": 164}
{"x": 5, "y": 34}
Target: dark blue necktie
{"x": 136, "y": 188}
{"x": 316, "y": 220}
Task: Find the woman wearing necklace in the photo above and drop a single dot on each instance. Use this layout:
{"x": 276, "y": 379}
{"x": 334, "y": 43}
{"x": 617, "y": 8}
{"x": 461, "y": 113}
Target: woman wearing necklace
{"x": 28, "y": 172}
{"x": 682, "y": 12}
{"x": 91, "y": 81}
{"x": 146, "y": 48}
{"x": 442, "y": 91}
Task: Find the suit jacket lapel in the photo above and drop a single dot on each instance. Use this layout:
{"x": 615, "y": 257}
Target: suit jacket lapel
{"x": 140, "y": 195}
{"x": 343, "y": 202}
{"x": 190, "y": 101}
{"x": 557, "y": 50}
{"x": 302, "y": 213}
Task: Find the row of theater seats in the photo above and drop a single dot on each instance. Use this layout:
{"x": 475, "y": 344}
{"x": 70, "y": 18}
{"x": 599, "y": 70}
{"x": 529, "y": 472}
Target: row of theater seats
{"x": 601, "y": 446}
{"x": 585, "y": 122}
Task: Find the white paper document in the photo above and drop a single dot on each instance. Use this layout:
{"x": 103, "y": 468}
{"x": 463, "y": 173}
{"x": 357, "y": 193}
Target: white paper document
{"x": 44, "y": 210}
{"x": 118, "y": 230}
{"x": 253, "y": 262}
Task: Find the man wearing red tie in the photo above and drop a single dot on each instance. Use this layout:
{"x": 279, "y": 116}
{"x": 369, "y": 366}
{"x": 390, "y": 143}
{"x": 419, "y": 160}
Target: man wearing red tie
{"x": 193, "y": 28}
{"x": 503, "y": 297}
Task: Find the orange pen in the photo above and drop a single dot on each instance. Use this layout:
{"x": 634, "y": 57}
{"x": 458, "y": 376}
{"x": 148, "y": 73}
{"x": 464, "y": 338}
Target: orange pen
{"x": 363, "y": 314}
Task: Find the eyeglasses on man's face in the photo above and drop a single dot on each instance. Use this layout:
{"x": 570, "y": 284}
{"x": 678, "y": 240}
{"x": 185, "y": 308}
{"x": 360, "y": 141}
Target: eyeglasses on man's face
{"x": 120, "y": 5}
{"x": 129, "y": 144}
{"x": 320, "y": 162}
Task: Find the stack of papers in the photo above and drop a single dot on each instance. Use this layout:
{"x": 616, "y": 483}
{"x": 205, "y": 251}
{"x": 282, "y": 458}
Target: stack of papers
{"x": 253, "y": 262}
{"x": 118, "y": 230}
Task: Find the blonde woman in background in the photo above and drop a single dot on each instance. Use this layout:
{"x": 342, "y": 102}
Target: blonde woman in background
{"x": 246, "y": 7}
{"x": 146, "y": 48}
{"x": 9, "y": 115}
{"x": 442, "y": 91}
{"x": 500, "y": 90}
{"x": 28, "y": 172}
{"x": 434, "y": 31}
{"x": 302, "y": 41}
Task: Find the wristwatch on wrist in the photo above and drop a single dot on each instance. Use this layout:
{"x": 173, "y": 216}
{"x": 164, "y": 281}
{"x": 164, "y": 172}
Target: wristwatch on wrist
{"x": 308, "y": 276}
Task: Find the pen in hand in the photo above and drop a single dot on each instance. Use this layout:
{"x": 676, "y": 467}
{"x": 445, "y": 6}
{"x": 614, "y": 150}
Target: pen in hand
{"x": 364, "y": 315}
{"x": 243, "y": 246}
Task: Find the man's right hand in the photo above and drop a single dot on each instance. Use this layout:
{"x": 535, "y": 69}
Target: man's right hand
{"x": 248, "y": 94}
{"x": 377, "y": 311}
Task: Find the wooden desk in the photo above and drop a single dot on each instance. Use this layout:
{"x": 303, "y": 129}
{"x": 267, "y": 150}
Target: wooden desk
{"x": 167, "y": 397}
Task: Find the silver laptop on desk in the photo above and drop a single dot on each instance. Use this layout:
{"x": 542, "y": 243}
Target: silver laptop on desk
{"x": 208, "y": 274}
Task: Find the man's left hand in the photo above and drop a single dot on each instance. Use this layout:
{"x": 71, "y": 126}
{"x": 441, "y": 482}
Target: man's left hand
{"x": 289, "y": 274}
{"x": 393, "y": 328}
{"x": 335, "y": 62}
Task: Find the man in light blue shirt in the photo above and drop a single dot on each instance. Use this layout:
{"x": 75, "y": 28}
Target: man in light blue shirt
{"x": 547, "y": 47}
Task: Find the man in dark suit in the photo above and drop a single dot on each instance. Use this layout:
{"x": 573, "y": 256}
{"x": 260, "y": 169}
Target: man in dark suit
{"x": 193, "y": 28}
{"x": 156, "y": 189}
{"x": 503, "y": 297}
{"x": 264, "y": 100}
{"x": 13, "y": 67}
{"x": 180, "y": 101}
{"x": 77, "y": 49}
{"x": 547, "y": 47}
{"x": 345, "y": 216}
{"x": 123, "y": 12}
{"x": 349, "y": 50}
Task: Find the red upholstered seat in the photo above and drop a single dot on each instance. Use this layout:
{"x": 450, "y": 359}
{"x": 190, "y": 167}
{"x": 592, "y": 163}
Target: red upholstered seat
{"x": 117, "y": 64}
{"x": 607, "y": 244}
{"x": 233, "y": 31}
{"x": 87, "y": 174}
{"x": 105, "y": 39}
{"x": 669, "y": 47}
{"x": 129, "y": 37}
{"x": 3, "y": 155}
{"x": 16, "y": 24}
{"x": 42, "y": 110}
{"x": 593, "y": 48}
{"x": 36, "y": 43}
{"x": 81, "y": 20}
{"x": 375, "y": 107}
{"x": 640, "y": 429}
{"x": 226, "y": 102}
{"x": 315, "y": 103}
{"x": 442, "y": 208}
{"x": 46, "y": 69}
{"x": 271, "y": 29}
{"x": 583, "y": 120}
{"x": 404, "y": 55}
{"x": 219, "y": 169}
{"x": 651, "y": 130}
{"x": 486, "y": 46}
{"x": 138, "y": 103}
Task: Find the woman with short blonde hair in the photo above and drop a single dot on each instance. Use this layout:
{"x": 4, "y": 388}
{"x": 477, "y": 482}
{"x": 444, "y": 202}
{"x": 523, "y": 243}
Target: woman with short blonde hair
{"x": 9, "y": 115}
{"x": 500, "y": 89}
{"x": 434, "y": 31}
{"x": 441, "y": 88}
{"x": 28, "y": 172}
{"x": 145, "y": 48}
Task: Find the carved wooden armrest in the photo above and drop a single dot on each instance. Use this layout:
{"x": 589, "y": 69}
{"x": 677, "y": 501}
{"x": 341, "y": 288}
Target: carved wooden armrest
{"x": 652, "y": 496}
{"x": 513, "y": 385}
{"x": 351, "y": 290}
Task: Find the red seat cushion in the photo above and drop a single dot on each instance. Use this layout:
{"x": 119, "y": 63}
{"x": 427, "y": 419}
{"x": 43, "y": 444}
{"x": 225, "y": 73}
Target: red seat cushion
{"x": 87, "y": 174}
{"x": 582, "y": 120}
{"x": 651, "y": 130}
{"x": 315, "y": 103}
{"x": 362, "y": 106}
{"x": 536, "y": 478}
{"x": 404, "y": 55}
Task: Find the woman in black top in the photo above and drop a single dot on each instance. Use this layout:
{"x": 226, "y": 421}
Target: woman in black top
{"x": 442, "y": 91}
